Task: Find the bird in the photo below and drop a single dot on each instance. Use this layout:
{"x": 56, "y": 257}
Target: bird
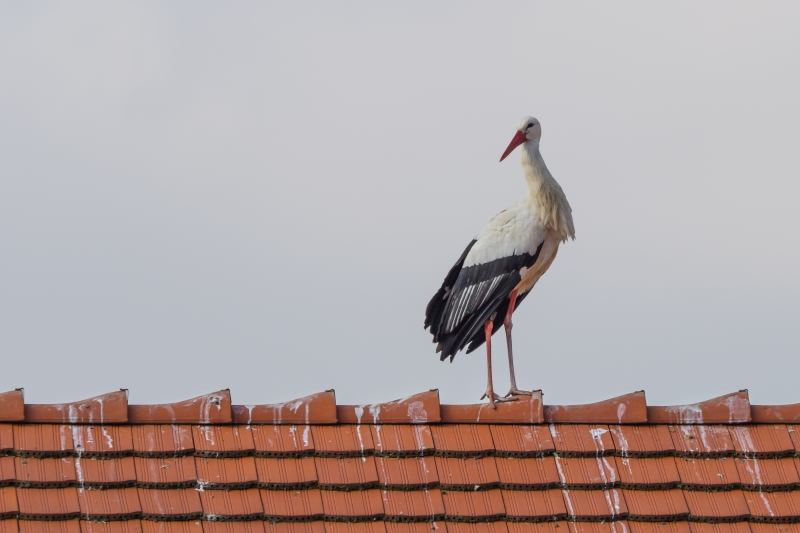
{"x": 502, "y": 264}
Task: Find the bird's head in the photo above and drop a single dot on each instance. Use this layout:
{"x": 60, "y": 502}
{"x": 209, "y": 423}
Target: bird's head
{"x": 529, "y": 128}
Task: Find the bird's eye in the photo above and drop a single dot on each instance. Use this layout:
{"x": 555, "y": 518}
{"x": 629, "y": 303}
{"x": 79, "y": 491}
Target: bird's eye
{"x": 530, "y": 125}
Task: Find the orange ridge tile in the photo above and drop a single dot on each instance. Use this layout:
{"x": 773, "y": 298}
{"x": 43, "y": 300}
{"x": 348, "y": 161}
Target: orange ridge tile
{"x": 768, "y": 474}
{"x": 292, "y": 505}
{"x": 773, "y": 506}
{"x": 729, "y": 409}
{"x": 346, "y": 440}
{"x": 726, "y": 506}
{"x": 227, "y": 473}
{"x": 253, "y": 526}
{"x": 111, "y": 408}
{"x": 213, "y": 408}
{"x": 402, "y": 440}
{"x": 493, "y": 527}
{"x": 420, "y": 408}
{"x": 48, "y": 504}
{"x": 106, "y": 473}
{"x": 581, "y": 440}
{"x": 282, "y": 441}
{"x": 12, "y": 406}
{"x": 763, "y": 441}
{"x": 627, "y": 409}
{"x": 595, "y": 505}
{"x": 526, "y": 410}
{"x": 109, "y": 504}
{"x": 170, "y": 504}
{"x": 225, "y": 505}
{"x": 317, "y": 408}
{"x": 8, "y": 502}
{"x": 702, "y": 441}
{"x": 359, "y": 505}
{"x": 151, "y": 440}
{"x": 539, "y": 505}
{"x": 648, "y": 473}
{"x": 59, "y": 526}
{"x": 8, "y": 475}
{"x": 186, "y": 526}
{"x": 347, "y": 473}
{"x": 42, "y": 440}
{"x": 44, "y": 472}
{"x": 656, "y": 505}
{"x": 412, "y": 506}
{"x": 462, "y": 440}
{"x": 642, "y": 441}
{"x": 467, "y": 473}
{"x": 171, "y": 472}
{"x": 286, "y": 473}
{"x": 708, "y": 474}
{"x": 117, "y": 526}
{"x": 522, "y": 441}
{"x": 527, "y": 473}
{"x": 587, "y": 472}
{"x": 407, "y": 473}
{"x": 480, "y": 506}
{"x": 775, "y": 414}
{"x": 223, "y": 441}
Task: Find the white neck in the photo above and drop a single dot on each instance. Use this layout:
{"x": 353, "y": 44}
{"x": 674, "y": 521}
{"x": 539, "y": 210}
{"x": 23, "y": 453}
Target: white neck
{"x": 545, "y": 193}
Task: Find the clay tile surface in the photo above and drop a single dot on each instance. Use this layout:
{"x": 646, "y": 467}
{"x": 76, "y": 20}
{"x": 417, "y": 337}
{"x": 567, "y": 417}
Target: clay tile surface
{"x": 660, "y": 527}
{"x": 48, "y": 504}
{"x": 231, "y": 504}
{"x": 527, "y": 473}
{"x": 522, "y": 440}
{"x": 165, "y": 472}
{"x": 110, "y": 504}
{"x": 729, "y": 409}
{"x": 189, "y": 526}
{"x": 774, "y": 506}
{"x": 214, "y": 408}
{"x": 526, "y": 410}
{"x": 593, "y": 505}
{"x": 162, "y": 440}
{"x": 282, "y": 441}
{"x": 647, "y": 472}
{"x": 538, "y": 527}
{"x": 7, "y": 471}
{"x": 292, "y": 504}
{"x": 362, "y": 527}
{"x": 254, "y": 526}
{"x": 170, "y": 504}
{"x": 417, "y": 409}
{"x": 347, "y": 473}
{"x": 108, "y": 408}
{"x": 587, "y": 472}
{"x": 534, "y": 505}
{"x": 43, "y": 440}
{"x": 227, "y": 473}
{"x": 462, "y": 440}
{"x": 490, "y": 527}
{"x": 643, "y": 441}
{"x": 106, "y": 473}
{"x": 770, "y": 440}
{"x": 475, "y": 506}
{"x": 317, "y": 408}
{"x": 708, "y": 474}
{"x": 413, "y": 506}
{"x": 345, "y": 440}
{"x": 414, "y": 527}
{"x": 771, "y": 414}
{"x": 6, "y": 438}
{"x": 285, "y": 473}
{"x": 628, "y": 409}
{"x": 8, "y": 502}
{"x": 467, "y": 473}
{"x": 9, "y": 525}
{"x": 122, "y": 526}
{"x": 654, "y": 505}
{"x": 725, "y": 506}
{"x": 12, "y": 406}
{"x": 767, "y": 527}
{"x": 38, "y": 526}
{"x": 768, "y": 474}
{"x": 396, "y": 440}
{"x": 44, "y": 472}
{"x": 102, "y": 441}
{"x": 223, "y": 441}
{"x": 702, "y": 441}
{"x": 619, "y": 526}
{"x": 407, "y": 472}
{"x": 582, "y": 440}
{"x": 353, "y": 505}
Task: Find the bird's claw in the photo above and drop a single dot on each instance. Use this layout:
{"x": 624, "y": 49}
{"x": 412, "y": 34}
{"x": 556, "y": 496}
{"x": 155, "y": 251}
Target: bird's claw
{"x": 495, "y": 398}
{"x": 516, "y": 392}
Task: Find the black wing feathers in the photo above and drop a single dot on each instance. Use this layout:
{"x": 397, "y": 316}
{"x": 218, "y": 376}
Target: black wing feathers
{"x": 433, "y": 313}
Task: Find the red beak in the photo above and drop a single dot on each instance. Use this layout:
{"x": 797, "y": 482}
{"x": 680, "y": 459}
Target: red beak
{"x": 518, "y": 139}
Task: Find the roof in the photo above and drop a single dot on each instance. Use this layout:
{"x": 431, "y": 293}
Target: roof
{"x": 409, "y": 466}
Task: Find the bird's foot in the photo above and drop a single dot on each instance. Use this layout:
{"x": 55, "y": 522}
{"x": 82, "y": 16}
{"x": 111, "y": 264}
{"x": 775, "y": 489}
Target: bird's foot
{"x": 495, "y": 398}
{"x": 516, "y": 392}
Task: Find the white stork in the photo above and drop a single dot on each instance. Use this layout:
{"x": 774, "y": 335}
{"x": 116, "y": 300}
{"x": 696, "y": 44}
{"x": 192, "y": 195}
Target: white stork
{"x": 502, "y": 264}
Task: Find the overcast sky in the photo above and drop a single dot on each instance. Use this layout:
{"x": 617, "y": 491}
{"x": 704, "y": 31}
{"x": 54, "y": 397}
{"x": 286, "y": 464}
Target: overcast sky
{"x": 204, "y": 195}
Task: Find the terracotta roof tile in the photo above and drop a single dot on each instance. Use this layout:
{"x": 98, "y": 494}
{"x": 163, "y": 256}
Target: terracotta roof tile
{"x": 226, "y": 473}
{"x": 167, "y": 472}
{"x": 111, "y": 408}
{"x": 302, "y": 505}
{"x": 12, "y": 406}
{"x": 591, "y": 505}
{"x": 413, "y": 527}
{"x": 656, "y": 505}
{"x": 702, "y": 441}
{"x": 102, "y": 441}
{"x": 6, "y": 438}
{"x": 768, "y": 474}
{"x": 45, "y": 472}
{"x": 170, "y": 504}
{"x": 582, "y": 440}
{"x": 522, "y": 441}
{"x": 771, "y": 440}
{"x": 316, "y": 526}
{"x": 48, "y": 504}
{"x": 214, "y": 408}
{"x": 538, "y": 527}
{"x": 43, "y": 440}
{"x": 353, "y": 505}
{"x": 109, "y": 504}
{"x": 413, "y": 506}
{"x": 527, "y": 473}
{"x": 106, "y": 473}
{"x": 395, "y": 440}
{"x": 587, "y": 472}
{"x": 708, "y": 474}
{"x": 467, "y": 473}
{"x": 462, "y": 440}
{"x": 647, "y": 472}
{"x": 628, "y": 409}
{"x": 223, "y": 441}
{"x": 317, "y": 408}
{"x": 417, "y": 409}
{"x": 286, "y": 473}
{"x": 484, "y": 505}
{"x": 282, "y": 441}
{"x": 189, "y": 526}
{"x": 642, "y": 441}
{"x": 766, "y": 527}
{"x": 619, "y": 526}
{"x": 490, "y": 527}
{"x": 774, "y": 506}
{"x": 8, "y": 502}
{"x": 253, "y": 526}
{"x": 343, "y": 441}
{"x": 729, "y": 409}
{"x": 231, "y": 504}
{"x": 719, "y": 527}
{"x": 7, "y": 471}
{"x": 357, "y": 527}
{"x": 771, "y": 414}
{"x": 659, "y": 527}
{"x": 526, "y": 410}
{"x": 727, "y": 506}
{"x": 117, "y": 526}
{"x": 162, "y": 440}
{"x": 9, "y": 525}
{"x": 540, "y": 505}
{"x": 407, "y": 472}
{"x": 61, "y": 526}
{"x": 348, "y": 473}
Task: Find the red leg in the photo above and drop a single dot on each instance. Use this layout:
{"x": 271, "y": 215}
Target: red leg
{"x": 487, "y": 329}
{"x": 508, "y": 325}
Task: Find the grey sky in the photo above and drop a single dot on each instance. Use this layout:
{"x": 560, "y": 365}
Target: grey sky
{"x": 199, "y": 195}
